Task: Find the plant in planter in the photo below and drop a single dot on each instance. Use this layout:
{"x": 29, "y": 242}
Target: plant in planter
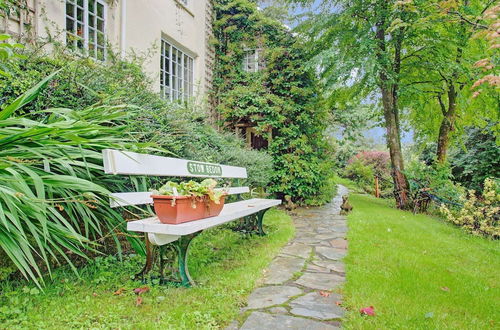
{"x": 176, "y": 203}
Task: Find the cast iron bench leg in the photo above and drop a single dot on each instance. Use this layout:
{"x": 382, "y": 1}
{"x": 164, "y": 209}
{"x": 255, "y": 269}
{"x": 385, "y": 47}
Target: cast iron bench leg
{"x": 260, "y": 218}
{"x": 150, "y": 257}
{"x": 182, "y": 246}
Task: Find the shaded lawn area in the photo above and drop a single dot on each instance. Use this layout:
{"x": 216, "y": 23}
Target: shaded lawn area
{"x": 224, "y": 263}
{"x": 418, "y": 272}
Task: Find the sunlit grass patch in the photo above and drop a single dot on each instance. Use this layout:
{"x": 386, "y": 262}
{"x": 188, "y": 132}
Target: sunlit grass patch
{"x": 418, "y": 272}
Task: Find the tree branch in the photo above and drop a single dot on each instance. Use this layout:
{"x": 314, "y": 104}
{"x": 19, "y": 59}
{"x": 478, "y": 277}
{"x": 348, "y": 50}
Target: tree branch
{"x": 413, "y": 54}
{"x": 465, "y": 19}
{"x": 441, "y": 104}
{"x": 423, "y": 82}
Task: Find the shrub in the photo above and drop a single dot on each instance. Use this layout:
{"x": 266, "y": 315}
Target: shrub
{"x": 53, "y": 192}
{"x": 179, "y": 128}
{"x": 478, "y": 159}
{"x": 480, "y": 216}
{"x": 360, "y": 173}
{"x": 436, "y": 179}
{"x": 365, "y": 165}
{"x": 379, "y": 161}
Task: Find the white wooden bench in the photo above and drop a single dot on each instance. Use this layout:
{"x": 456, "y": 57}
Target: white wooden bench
{"x": 158, "y": 234}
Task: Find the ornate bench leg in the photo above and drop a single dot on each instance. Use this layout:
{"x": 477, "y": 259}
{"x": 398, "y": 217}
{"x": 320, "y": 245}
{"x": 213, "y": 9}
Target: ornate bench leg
{"x": 260, "y": 218}
{"x": 182, "y": 246}
{"x": 150, "y": 256}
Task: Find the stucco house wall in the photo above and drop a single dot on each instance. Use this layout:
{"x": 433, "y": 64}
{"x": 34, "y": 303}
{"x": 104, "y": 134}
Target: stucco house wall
{"x": 137, "y": 26}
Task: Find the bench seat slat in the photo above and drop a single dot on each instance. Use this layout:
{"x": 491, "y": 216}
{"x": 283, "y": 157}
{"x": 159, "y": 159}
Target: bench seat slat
{"x": 140, "y": 198}
{"x": 132, "y": 163}
{"x": 230, "y": 212}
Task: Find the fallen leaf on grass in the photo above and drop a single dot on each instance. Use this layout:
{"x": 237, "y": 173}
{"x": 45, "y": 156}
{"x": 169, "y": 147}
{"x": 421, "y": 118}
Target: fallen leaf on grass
{"x": 118, "y": 292}
{"x": 138, "y": 301}
{"x": 94, "y": 294}
{"x": 338, "y": 303}
{"x": 445, "y": 288}
{"x": 324, "y": 293}
{"x": 367, "y": 311}
{"x": 141, "y": 290}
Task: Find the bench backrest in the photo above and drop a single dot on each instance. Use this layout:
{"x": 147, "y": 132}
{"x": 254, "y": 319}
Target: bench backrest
{"x": 131, "y": 163}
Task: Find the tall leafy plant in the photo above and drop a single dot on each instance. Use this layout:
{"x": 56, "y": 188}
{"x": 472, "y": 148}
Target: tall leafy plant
{"x": 282, "y": 100}
{"x": 53, "y": 192}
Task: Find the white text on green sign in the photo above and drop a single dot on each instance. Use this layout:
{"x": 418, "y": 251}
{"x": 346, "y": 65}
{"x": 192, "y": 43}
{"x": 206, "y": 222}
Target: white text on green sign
{"x": 204, "y": 169}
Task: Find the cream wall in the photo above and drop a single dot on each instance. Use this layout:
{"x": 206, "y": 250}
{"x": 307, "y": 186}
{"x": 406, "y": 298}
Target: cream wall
{"x": 146, "y": 21}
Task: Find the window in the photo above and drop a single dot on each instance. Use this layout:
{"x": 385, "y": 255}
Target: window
{"x": 85, "y": 27}
{"x": 176, "y": 73}
{"x": 251, "y": 61}
{"x": 184, "y": 2}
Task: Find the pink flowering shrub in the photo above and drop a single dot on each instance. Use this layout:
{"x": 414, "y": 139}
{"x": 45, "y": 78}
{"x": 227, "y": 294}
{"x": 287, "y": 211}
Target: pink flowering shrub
{"x": 379, "y": 161}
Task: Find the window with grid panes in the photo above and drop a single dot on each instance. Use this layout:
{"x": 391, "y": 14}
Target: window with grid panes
{"x": 85, "y": 27}
{"x": 176, "y": 73}
{"x": 251, "y": 60}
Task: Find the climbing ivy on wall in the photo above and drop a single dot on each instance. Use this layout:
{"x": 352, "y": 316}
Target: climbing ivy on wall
{"x": 282, "y": 98}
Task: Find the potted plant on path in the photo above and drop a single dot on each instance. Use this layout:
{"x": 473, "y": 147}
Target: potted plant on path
{"x": 176, "y": 203}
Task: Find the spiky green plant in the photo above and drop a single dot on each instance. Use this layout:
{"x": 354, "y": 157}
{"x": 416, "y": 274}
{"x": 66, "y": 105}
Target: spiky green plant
{"x": 53, "y": 191}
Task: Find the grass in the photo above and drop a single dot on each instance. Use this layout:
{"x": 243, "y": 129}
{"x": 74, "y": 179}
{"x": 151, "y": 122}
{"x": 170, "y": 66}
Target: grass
{"x": 224, "y": 263}
{"x": 418, "y": 272}
{"x": 353, "y": 186}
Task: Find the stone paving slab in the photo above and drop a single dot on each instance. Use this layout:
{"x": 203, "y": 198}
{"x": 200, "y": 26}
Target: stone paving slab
{"x": 339, "y": 243}
{"x": 316, "y": 252}
{"x": 317, "y": 306}
{"x": 282, "y": 269}
{"x": 312, "y": 268}
{"x": 331, "y": 253}
{"x": 320, "y": 281}
{"x": 336, "y": 266}
{"x": 271, "y": 295}
{"x": 297, "y": 249}
{"x": 260, "y": 320}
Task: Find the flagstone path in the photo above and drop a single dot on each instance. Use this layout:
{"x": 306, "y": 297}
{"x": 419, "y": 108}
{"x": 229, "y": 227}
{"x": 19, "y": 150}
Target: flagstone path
{"x": 290, "y": 297}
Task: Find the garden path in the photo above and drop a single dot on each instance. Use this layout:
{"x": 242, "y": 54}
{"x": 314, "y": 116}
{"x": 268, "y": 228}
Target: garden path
{"x": 300, "y": 286}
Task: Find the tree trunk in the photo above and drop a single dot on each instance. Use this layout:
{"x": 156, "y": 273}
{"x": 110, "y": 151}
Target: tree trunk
{"x": 401, "y": 188}
{"x": 389, "y": 90}
{"x": 447, "y": 124}
{"x": 449, "y": 114}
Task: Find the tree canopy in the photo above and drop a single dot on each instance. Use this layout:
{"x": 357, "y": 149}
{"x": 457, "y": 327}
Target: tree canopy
{"x": 422, "y": 62}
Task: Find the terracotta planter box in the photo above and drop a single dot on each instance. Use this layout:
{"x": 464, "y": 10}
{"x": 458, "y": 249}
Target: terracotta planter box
{"x": 182, "y": 210}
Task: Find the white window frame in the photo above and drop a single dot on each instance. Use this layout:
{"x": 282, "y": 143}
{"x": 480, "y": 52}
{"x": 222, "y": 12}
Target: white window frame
{"x": 73, "y": 44}
{"x": 176, "y": 84}
{"x": 254, "y": 56}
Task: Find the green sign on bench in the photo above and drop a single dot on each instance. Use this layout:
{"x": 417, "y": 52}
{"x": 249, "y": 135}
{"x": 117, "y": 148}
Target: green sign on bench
{"x": 204, "y": 169}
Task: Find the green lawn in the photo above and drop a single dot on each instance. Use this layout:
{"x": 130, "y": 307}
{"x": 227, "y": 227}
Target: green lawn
{"x": 418, "y": 272}
{"x": 226, "y": 265}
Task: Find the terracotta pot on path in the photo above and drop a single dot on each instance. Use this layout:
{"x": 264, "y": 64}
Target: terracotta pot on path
{"x": 185, "y": 208}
